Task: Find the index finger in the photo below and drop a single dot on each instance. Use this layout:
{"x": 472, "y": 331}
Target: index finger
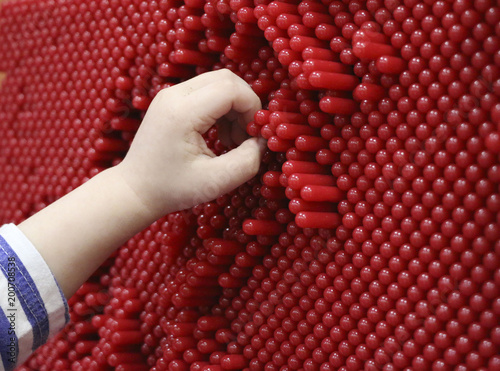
{"x": 221, "y": 97}
{"x": 204, "y": 79}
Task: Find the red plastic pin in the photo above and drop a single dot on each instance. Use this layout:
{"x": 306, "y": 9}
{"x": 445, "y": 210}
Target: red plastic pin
{"x": 292, "y": 131}
{"x": 261, "y": 227}
{"x": 212, "y": 323}
{"x": 312, "y": 52}
{"x": 367, "y": 91}
{"x": 223, "y": 247}
{"x": 205, "y": 269}
{"x": 192, "y": 57}
{"x": 276, "y": 8}
{"x": 317, "y": 65}
{"x": 321, "y": 193}
{"x": 297, "y": 180}
{"x": 297, "y": 205}
{"x": 292, "y": 167}
{"x": 309, "y": 219}
{"x": 332, "y": 80}
{"x": 309, "y": 143}
{"x": 372, "y": 50}
{"x": 234, "y": 362}
{"x": 340, "y": 106}
{"x": 390, "y": 64}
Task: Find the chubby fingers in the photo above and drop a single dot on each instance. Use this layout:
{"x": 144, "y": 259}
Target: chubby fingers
{"x": 206, "y": 78}
{"x": 231, "y": 98}
{"x": 226, "y": 172}
{"x": 224, "y": 92}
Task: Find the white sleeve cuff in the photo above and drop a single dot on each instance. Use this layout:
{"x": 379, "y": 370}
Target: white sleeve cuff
{"x": 33, "y": 297}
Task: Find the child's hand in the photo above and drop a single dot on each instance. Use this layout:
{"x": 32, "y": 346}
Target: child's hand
{"x": 169, "y": 166}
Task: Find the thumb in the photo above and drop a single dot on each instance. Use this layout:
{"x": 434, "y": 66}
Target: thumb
{"x": 230, "y": 170}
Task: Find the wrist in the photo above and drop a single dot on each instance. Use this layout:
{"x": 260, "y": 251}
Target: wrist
{"x": 139, "y": 192}
{"x": 78, "y": 232}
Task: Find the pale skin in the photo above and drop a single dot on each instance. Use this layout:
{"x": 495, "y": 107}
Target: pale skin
{"x": 168, "y": 168}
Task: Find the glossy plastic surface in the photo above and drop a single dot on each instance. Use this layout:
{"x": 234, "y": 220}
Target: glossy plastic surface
{"x": 368, "y": 241}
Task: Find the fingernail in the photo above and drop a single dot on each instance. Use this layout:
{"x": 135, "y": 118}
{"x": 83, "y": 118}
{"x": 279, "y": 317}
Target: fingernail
{"x": 262, "y": 144}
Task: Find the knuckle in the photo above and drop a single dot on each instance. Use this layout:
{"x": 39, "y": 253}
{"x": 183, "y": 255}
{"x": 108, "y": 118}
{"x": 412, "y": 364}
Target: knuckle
{"x": 230, "y": 77}
{"x": 229, "y": 86}
{"x": 226, "y": 73}
{"x": 163, "y": 94}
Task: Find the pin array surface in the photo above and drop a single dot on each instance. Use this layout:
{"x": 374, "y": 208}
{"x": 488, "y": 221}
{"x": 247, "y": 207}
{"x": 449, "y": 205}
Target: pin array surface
{"x": 369, "y": 239}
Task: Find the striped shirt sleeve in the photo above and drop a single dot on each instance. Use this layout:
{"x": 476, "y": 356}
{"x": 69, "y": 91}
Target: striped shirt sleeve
{"x": 32, "y": 305}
